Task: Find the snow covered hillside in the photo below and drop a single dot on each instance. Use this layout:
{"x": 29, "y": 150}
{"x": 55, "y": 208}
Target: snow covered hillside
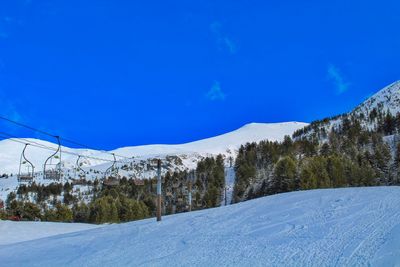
{"x": 387, "y": 99}
{"x": 332, "y": 227}
{"x": 175, "y": 157}
{"x": 10, "y": 151}
{"x": 222, "y": 144}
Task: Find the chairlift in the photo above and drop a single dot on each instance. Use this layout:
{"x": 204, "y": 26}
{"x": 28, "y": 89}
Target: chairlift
{"x": 80, "y": 173}
{"x": 53, "y": 171}
{"x": 29, "y": 175}
{"x": 138, "y": 180}
{"x": 111, "y": 175}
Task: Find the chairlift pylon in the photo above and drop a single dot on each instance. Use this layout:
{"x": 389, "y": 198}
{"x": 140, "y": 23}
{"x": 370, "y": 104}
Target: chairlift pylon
{"x": 28, "y": 176}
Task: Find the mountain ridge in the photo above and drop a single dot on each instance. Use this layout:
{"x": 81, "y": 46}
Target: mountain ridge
{"x": 368, "y": 113}
{"x": 388, "y": 97}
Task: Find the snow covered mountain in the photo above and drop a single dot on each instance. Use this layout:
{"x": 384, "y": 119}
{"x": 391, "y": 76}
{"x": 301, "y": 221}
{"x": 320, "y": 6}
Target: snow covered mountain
{"x": 175, "y": 157}
{"x": 10, "y": 151}
{"x": 222, "y": 144}
{"x": 331, "y": 227}
{"x": 386, "y": 100}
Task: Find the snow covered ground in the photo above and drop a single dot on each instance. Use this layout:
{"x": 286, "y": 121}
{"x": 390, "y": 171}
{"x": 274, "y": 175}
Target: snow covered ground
{"x": 332, "y": 227}
{"x": 14, "y": 232}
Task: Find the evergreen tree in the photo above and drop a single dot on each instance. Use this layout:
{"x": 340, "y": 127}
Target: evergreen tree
{"x": 284, "y": 179}
{"x": 61, "y": 213}
{"x": 308, "y": 180}
{"x": 80, "y": 212}
{"x": 245, "y": 168}
{"x": 104, "y": 210}
{"x": 336, "y": 171}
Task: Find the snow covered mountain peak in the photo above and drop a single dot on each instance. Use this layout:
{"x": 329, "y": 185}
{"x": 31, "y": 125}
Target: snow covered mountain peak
{"x": 258, "y": 125}
{"x": 387, "y": 99}
{"x": 221, "y": 144}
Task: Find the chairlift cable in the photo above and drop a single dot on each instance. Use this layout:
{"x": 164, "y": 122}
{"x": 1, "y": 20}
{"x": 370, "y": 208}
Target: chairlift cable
{"x": 35, "y": 144}
{"x": 55, "y": 136}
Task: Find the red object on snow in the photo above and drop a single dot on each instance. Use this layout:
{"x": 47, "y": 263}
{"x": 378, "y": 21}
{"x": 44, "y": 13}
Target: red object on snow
{"x": 15, "y": 218}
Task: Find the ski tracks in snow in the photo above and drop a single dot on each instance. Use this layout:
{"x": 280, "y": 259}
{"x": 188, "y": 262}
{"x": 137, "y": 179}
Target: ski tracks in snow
{"x": 333, "y": 227}
{"x": 343, "y": 231}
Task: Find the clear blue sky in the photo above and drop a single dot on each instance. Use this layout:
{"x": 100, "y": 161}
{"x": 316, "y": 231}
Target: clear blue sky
{"x": 117, "y": 73}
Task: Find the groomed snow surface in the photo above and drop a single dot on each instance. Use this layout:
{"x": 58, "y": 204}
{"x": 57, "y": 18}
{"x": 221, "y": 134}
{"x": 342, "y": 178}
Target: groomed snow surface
{"x": 332, "y": 227}
{"x": 14, "y": 232}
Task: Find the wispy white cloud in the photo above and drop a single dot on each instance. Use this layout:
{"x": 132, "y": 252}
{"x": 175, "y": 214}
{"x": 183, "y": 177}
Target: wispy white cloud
{"x": 230, "y": 45}
{"x": 335, "y": 75}
{"x": 215, "y": 93}
{"x": 223, "y": 40}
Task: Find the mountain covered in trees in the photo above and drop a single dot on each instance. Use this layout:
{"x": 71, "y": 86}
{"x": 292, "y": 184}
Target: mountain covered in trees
{"x": 359, "y": 148}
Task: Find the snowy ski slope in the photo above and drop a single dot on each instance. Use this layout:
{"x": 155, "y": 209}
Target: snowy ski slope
{"x": 14, "y": 232}
{"x": 331, "y": 227}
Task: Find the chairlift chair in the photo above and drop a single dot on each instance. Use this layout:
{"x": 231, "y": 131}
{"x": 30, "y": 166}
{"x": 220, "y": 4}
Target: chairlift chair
{"x": 80, "y": 173}
{"x": 53, "y": 171}
{"x": 29, "y": 175}
{"x": 111, "y": 175}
